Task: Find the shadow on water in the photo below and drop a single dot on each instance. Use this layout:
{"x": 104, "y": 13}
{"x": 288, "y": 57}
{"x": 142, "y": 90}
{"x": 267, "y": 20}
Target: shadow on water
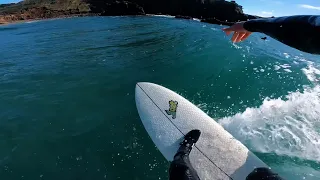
{"x": 8, "y": 28}
{"x": 277, "y": 162}
{"x": 273, "y": 159}
{"x": 143, "y": 42}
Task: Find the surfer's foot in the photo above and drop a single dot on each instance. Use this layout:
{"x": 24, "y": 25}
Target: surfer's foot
{"x": 189, "y": 140}
{"x": 191, "y": 137}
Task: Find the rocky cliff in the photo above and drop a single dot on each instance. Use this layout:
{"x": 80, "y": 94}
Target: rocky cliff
{"x": 214, "y": 11}
{"x": 115, "y": 8}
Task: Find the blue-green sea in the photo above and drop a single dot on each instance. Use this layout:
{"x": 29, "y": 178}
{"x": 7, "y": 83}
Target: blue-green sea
{"x": 67, "y": 107}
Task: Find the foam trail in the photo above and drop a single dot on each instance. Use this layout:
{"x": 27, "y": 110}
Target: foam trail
{"x": 285, "y": 127}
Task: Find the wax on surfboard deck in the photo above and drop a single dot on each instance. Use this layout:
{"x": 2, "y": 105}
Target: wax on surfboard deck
{"x": 167, "y": 117}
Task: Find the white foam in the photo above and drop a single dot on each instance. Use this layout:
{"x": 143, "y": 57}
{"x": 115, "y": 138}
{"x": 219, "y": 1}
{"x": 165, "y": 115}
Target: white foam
{"x": 276, "y": 67}
{"x": 160, "y": 15}
{"x": 285, "y": 127}
{"x": 33, "y": 21}
{"x": 302, "y": 60}
{"x": 312, "y": 73}
{"x": 286, "y": 55}
{"x": 215, "y": 29}
{"x": 285, "y": 66}
{"x": 287, "y": 70}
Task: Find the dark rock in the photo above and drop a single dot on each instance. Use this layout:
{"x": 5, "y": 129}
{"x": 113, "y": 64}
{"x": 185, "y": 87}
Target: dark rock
{"x": 183, "y": 17}
{"x": 252, "y": 16}
{"x": 221, "y": 10}
{"x": 117, "y": 8}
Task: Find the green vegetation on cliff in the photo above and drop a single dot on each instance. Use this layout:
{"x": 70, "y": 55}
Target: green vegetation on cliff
{"x": 62, "y": 5}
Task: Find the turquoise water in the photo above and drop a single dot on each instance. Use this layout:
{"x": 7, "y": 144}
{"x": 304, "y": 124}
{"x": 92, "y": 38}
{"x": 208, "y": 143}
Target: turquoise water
{"x": 67, "y": 96}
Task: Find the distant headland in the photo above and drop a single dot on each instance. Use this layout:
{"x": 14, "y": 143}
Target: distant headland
{"x": 211, "y": 11}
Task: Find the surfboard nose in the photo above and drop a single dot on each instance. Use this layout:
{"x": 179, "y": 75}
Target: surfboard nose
{"x": 139, "y": 86}
{"x": 144, "y": 84}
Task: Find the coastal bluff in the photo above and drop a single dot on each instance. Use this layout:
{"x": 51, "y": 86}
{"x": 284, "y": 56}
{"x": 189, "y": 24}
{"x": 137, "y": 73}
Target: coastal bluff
{"x": 211, "y": 11}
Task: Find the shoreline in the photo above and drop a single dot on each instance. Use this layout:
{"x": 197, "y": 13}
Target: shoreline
{"x": 4, "y": 23}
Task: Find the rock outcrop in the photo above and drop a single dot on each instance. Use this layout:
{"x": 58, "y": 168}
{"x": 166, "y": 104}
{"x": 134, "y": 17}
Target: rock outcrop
{"x": 224, "y": 11}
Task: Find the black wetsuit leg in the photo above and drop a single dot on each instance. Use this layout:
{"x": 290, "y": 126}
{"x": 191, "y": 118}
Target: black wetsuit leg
{"x": 181, "y": 168}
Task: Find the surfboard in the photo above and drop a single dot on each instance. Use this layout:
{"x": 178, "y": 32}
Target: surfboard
{"x": 167, "y": 117}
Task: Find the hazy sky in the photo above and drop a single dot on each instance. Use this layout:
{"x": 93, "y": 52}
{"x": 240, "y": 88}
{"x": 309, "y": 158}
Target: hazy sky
{"x": 268, "y": 7}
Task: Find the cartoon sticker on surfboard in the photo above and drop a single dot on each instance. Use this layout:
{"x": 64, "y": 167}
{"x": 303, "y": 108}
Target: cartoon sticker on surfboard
{"x": 173, "y": 105}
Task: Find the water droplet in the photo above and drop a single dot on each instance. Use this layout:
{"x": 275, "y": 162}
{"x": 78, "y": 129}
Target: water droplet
{"x": 79, "y": 158}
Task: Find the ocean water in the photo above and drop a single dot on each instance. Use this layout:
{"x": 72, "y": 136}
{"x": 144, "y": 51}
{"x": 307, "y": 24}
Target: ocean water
{"x": 67, "y": 96}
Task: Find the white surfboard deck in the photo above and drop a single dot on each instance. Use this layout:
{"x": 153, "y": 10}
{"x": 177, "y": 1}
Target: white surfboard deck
{"x": 216, "y": 156}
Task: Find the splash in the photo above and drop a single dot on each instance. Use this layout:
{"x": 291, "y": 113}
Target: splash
{"x": 312, "y": 73}
{"x": 285, "y": 127}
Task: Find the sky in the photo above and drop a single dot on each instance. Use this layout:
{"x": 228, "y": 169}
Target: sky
{"x": 267, "y": 8}
{"x": 8, "y": 1}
